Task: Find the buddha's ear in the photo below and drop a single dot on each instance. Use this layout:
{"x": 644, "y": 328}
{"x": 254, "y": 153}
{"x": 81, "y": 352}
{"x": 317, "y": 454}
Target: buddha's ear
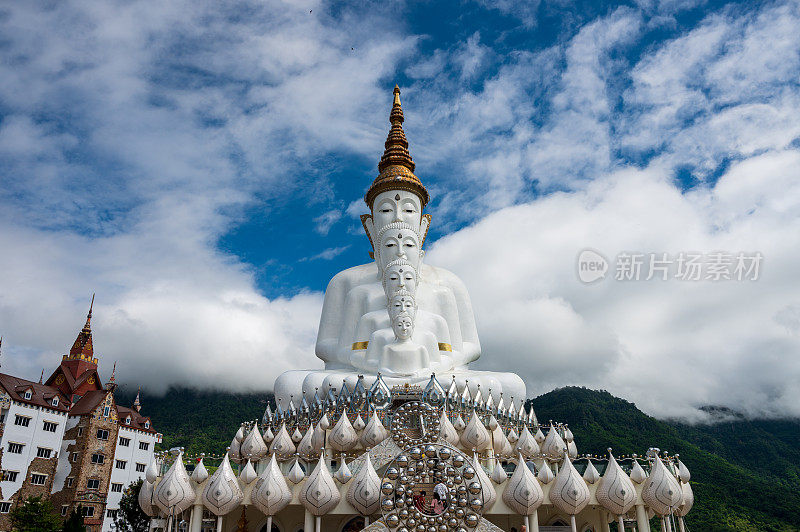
{"x": 369, "y": 228}
{"x": 424, "y": 225}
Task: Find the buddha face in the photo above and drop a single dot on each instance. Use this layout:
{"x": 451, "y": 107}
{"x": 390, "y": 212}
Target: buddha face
{"x": 399, "y": 243}
{"x": 396, "y": 206}
{"x": 402, "y": 302}
{"x": 399, "y": 275}
{"x": 403, "y": 326}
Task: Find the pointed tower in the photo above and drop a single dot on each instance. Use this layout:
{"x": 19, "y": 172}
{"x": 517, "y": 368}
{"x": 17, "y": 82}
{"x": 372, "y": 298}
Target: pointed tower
{"x": 137, "y": 404}
{"x": 77, "y": 373}
{"x": 396, "y": 168}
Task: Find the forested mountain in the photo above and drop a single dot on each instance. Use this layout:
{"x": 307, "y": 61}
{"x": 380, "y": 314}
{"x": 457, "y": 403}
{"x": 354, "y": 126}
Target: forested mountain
{"x": 745, "y": 473}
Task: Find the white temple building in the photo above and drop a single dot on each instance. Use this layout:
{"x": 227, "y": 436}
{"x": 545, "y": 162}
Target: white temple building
{"x": 396, "y": 432}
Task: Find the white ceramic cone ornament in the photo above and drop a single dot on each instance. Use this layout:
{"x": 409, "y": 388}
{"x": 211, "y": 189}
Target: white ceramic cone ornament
{"x": 152, "y": 472}
{"x": 459, "y": 423}
{"x": 500, "y": 443}
{"x": 374, "y": 432}
{"x": 637, "y": 473}
{"x": 175, "y": 493}
{"x": 615, "y": 491}
{"x": 523, "y": 494}
{"x": 200, "y": 473}
{"x": 475, "y": 436}
{"x": 683, "y": 472}
{"x": 545, "y": 474}
{"x": 539, "y": 436}
{"x": 282, "y": 445}
{"x": 447, "y": 431}
{"x": 499, "y": 474}
{"x": 268, "y": 435}
{"x": 297, "y": 435}
{"x": 488, "y": 495}
{"x": 306, "y": 446}
{"x": 661, "y": 491}
{"x": 239, "y": 436}
{"x": 233, "y": 450}
{"x": 248, "y": 474}
{"x": 359, "y": 424}
{"x": 272, "y": 493}
{"x": 343, "y": 436}
{"x": 343, "y": 474}
{"x": 253, "y": 446}
{"x": 513, "y": 437}
{"x": 569, "y": 492}
{"x": 553, "y": 446}
{"x": 364, "y": 491}
{"x": 146, "y": 499}
{"x": 526, "y": 444}
{"x": 687, "y": 500}
{"x": 319, "y": 495}
{"x": 296, "y": 474}
{"x": 591, "y": 475}
{"x": 222, "y": 492}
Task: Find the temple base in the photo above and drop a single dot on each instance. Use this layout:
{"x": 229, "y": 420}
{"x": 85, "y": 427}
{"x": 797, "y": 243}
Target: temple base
{"x": 291, "y": 384}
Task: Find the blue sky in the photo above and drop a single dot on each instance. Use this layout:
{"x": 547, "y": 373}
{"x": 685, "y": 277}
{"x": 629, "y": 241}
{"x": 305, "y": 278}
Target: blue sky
{"x": 201, "y": 166}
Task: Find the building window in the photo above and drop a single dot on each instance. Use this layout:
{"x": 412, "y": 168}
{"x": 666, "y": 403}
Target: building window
{"x": 93, "y": 484}
{"x": 55, "y": 401}
{"x": 87, "y": 511}
{"x": 22, "y": 421}
{"x": 98, "y": 458}
{"x": 49, "y": 426}
{"x": 102, "y": 434}
{"x": 122, "y": 464}
{"x": 112, "y": 513}
{"x": 73, "y": 457}
{"x": 124, "y": 442}
{"x": 5, "y": 507}
{"x": 15, "y": 448}
{"x": 140, "y": 467}
{"x": 38, "y": 479}
{"x": 147, "y": 424}
{"x": 116, "y": 488}
{"x": 106, "y": 411}
{"x": 10, "y": 476}
{"x": 64, "y": 509}
{"x": 128, "y": 420}
{"x": 143, "y": 445}
{"x": 70, "y": 481}
{"x": 28, "y": 395}
{"x": 43, "y": 452}
{"x": 80, "y": 432}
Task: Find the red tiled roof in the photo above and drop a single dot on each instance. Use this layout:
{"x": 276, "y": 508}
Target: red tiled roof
{"x": 88, "y": 403}
{"x": 41, "y": 395}
{"x": 137, "y": 420}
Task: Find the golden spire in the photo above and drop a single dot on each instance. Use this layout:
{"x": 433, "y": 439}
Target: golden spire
{"x": 396, "y": 168}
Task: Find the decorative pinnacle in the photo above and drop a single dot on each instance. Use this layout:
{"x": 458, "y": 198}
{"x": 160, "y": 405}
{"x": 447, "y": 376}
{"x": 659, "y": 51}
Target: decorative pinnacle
{"x": 396, "y": 168}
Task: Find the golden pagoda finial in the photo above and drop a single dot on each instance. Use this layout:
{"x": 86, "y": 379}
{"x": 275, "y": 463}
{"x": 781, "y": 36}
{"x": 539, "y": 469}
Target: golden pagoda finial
{"x": 396, "y": 168}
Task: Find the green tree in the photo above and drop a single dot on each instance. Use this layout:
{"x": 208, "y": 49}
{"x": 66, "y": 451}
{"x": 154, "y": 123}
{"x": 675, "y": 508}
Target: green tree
{"x": 130, "y": 517}
{"x": 74, "y": 522}
{"x": 35, "y": 515}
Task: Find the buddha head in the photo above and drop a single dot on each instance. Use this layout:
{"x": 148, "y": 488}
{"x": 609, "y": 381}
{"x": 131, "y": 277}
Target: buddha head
{"x": 396, "y": 206}
{"x": 399, "y": 274}
{"x": 398, "y": 240}
{"x": 402, "y": 301}
{"x": 403, "y": 326}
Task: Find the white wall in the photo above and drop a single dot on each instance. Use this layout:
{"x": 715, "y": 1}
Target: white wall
{"x": 64, "y": 468}
{"x": 32, "y": 436}
{"x": 133, "y": 455}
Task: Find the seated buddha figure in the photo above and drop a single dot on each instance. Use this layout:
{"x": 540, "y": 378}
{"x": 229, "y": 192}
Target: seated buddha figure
{"x": 356, "y": 304}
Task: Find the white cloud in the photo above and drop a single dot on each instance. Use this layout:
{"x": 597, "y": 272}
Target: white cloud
{"x": 669, "y": 346}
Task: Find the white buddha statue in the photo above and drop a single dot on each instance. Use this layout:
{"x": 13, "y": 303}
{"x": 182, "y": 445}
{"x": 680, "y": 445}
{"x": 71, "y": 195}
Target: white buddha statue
{"x": 355, "y": 305}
